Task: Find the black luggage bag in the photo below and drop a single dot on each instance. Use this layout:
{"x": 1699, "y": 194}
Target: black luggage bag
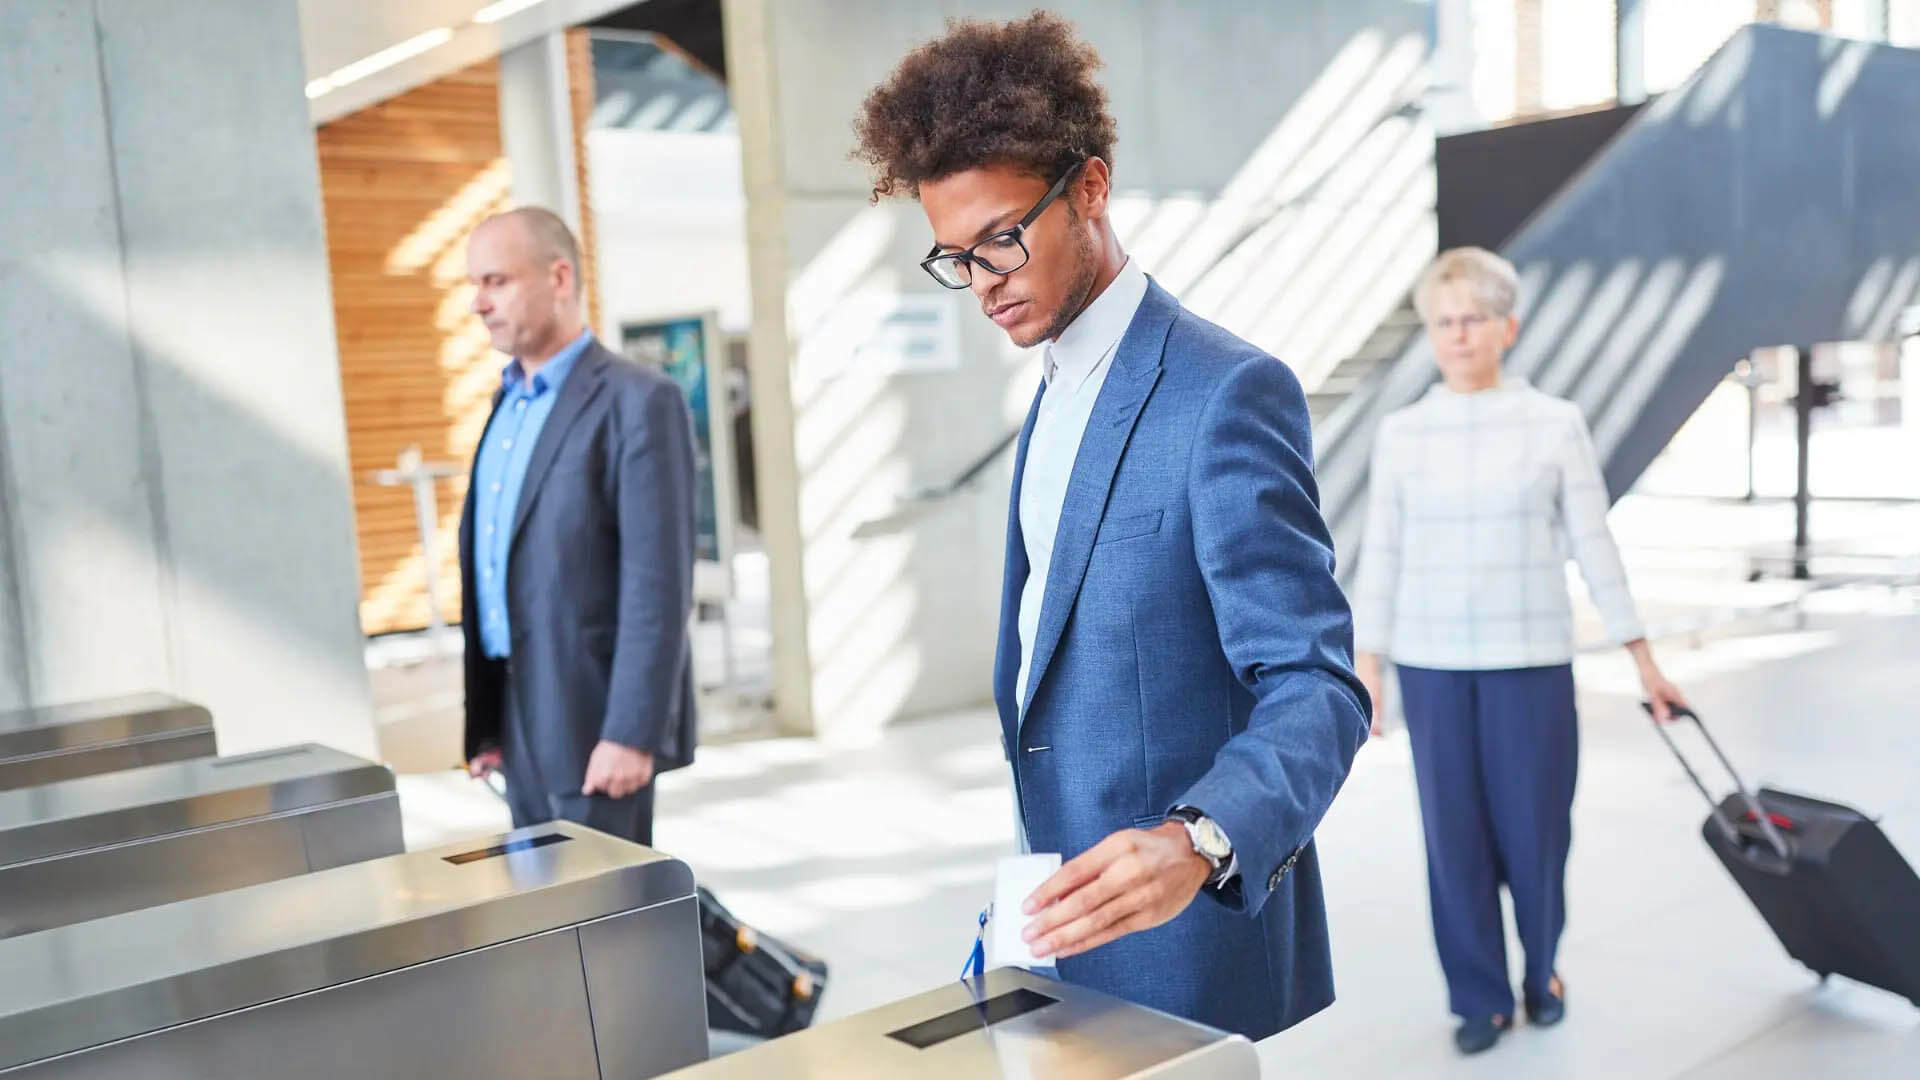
{"x": 755, "y": 984}
{"x": 1826, "y": 879}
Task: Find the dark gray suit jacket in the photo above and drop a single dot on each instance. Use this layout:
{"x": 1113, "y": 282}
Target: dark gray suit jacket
{"x": 599, "y": 579}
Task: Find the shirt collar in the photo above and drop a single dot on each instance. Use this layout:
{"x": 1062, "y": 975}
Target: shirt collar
{"x": 554, "y": 373}
{"x": 1097, "y": 330}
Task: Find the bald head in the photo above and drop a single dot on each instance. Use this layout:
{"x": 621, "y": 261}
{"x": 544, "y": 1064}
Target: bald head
{"x": 524, "y": 266}
{"x": 549, "y": 236}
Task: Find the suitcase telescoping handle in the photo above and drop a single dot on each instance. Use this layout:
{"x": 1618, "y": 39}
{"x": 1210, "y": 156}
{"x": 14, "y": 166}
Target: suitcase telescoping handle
{"x": 1760, "y": 816}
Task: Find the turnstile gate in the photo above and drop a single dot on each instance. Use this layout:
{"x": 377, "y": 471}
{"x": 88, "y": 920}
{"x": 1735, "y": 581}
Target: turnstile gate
{"x": 101, "y": 845}
{"x": 1010, "y": 1023}
{"x": 553, "y": 951}
{"x": 81, "y": 738}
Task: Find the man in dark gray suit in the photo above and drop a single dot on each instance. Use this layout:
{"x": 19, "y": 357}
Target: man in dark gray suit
{"x": 576, "y": 550}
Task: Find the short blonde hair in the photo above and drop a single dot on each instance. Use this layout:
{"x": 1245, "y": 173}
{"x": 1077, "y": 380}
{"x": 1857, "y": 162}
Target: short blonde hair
{"x": 1489, "y": 279}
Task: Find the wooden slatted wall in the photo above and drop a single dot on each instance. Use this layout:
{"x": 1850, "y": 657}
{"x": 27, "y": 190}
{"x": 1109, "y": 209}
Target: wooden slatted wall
{"x": 404, "y": 183}
{"x": 580, "y": 83}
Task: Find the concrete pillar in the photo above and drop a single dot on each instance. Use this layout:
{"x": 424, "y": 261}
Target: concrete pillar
{"x": 82, "y": 541}
{"x": 536, "y": 127}
{"x": 172, "y": 447}
{"x": 753, "y": 87}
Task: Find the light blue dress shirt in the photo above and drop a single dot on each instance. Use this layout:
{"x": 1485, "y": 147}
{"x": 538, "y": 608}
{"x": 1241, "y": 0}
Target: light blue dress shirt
{"x": 499, "y": 473}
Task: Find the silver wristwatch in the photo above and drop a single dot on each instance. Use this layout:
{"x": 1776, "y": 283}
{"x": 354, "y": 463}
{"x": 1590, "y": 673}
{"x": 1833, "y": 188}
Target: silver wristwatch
{"x": 1209, "y": 841}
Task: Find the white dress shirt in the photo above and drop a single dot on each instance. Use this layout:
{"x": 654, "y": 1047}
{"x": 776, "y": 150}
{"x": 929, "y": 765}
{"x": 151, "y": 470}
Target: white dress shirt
{"x": 1475, "y": 503}
{"x": 1076, "y": 366}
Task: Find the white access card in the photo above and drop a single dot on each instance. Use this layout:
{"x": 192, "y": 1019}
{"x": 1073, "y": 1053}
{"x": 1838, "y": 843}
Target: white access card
{"x": 1018, "y": 876}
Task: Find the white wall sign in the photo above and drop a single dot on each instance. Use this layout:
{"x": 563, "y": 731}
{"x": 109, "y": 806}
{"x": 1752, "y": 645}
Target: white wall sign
{"x": 882, "y": 334}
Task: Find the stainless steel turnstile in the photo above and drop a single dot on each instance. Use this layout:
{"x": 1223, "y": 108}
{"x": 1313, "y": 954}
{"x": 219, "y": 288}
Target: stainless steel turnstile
{"x": 553, "y": 952}
{"x": 100, "y": 845}
{"x": 1009, "y": 1024}
{"x": 60, "y": 742}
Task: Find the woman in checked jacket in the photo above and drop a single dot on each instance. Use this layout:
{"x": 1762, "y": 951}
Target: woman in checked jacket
{"x": 1479, "y": 493}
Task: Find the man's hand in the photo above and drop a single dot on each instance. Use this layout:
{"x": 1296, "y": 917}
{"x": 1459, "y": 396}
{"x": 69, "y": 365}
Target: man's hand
{"x": 1134, "y": 880}
{"x": 485, "y": 762}
{"x": 617, "y": 771}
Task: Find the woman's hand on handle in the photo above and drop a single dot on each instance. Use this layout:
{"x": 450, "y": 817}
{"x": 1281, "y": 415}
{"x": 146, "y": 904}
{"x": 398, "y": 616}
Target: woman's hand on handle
{"x": 1662, "y": 696}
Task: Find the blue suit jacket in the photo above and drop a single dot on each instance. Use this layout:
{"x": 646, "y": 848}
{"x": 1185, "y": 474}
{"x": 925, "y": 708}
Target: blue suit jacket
{"x": 1194, "y": 649}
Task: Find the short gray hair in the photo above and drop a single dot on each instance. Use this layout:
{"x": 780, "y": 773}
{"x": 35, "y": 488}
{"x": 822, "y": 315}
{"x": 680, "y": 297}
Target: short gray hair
{"x": 1490, "y": 280}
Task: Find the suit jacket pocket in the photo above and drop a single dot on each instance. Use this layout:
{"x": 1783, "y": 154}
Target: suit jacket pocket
{"x": 1126, "y": 528}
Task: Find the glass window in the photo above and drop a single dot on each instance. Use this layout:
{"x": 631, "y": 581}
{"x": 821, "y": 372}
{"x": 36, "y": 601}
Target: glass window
{"x": 644, "y": 83}
{"x": 1576, "y": 53}
{"x": 1494, "y": 70}
{"x": 1863, "y": 20}
{"x": 1903, "y": 22}
{"x": 1682, "y": 34}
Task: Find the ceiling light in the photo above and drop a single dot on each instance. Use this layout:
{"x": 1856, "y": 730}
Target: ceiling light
{"x": 379, "y": 61}
{"x": 496, "y": 11}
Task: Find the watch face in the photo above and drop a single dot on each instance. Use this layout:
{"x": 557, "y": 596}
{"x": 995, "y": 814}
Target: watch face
{"x": 1211, "y": 840}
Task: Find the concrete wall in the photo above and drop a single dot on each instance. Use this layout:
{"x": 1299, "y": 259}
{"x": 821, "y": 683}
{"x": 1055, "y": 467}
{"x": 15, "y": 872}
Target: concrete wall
{"x": 1235, "y": 118}
{"x": 672, "y": 224}
{"x": 175, "y": 488}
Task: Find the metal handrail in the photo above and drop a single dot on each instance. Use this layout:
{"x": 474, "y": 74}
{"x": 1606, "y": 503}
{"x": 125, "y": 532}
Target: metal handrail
{"x": 966, "y": 476}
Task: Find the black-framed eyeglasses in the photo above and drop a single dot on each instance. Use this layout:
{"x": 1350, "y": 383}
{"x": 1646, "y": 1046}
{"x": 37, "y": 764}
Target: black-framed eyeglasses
{"x": 1002, "y": 253}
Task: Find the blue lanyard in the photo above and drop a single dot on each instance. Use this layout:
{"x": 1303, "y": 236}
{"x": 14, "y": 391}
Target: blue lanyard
{"x": 976, "y": 965}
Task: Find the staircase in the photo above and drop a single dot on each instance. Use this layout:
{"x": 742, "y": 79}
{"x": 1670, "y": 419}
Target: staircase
{"x": 1772, "y": 199}
{"x": 1363, "y": 369}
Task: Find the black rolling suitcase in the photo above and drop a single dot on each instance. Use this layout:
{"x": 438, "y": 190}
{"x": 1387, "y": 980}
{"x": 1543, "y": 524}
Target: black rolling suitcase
{"x": 755, "y": 985}
{"x": 1826, "y": 879}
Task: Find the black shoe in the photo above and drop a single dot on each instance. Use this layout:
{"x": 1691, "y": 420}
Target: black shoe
{"x": 1480, "y": 1033}
{"x": 1549, "y": 1010}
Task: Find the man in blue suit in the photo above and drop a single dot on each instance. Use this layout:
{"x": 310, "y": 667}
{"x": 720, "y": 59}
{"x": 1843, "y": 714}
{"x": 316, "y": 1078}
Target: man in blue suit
{"x": 1175, "y": 677}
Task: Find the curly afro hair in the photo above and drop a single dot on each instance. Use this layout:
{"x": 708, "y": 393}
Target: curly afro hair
{"x": 1020, "y": 93}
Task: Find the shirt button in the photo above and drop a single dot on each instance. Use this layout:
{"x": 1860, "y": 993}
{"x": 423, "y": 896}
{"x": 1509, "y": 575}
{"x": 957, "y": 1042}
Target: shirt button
{"x": 489, "y": 530}
{"x": 521, "y": 404}
{"x": 494, "y": 614}
{"x": 507, "y": 445}
{"x": 486, "y": 572}
{"x": 496, "y": 489}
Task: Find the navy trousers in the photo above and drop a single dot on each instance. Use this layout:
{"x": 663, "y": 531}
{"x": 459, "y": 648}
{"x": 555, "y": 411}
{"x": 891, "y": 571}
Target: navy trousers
{"x": 530, "y": 803}
{"x": 1495, "y": 754}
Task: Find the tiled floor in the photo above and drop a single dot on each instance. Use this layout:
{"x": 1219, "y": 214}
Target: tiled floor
{"x": 879, "y": 858}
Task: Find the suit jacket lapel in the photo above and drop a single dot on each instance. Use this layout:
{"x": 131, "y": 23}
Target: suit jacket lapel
{"x": 1135, "y": 371}
{"x": 582, "y": 386}
{"x": 1006, "y": 661}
